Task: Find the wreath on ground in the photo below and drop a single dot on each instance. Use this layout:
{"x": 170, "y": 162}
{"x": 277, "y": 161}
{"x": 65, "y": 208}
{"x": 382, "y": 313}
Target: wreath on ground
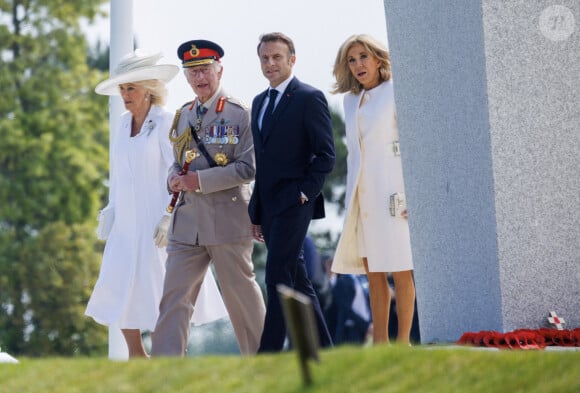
{"x": 522, "y": 338}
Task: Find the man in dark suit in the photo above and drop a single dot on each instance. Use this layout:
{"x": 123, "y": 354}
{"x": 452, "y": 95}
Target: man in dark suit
{"x": 294, "y": 149}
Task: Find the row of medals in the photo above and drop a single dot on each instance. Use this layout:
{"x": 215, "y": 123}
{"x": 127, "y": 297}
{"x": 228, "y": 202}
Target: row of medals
{"x": 220, "y": 158}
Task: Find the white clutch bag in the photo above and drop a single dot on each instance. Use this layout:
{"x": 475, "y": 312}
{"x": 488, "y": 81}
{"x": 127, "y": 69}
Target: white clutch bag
{"x": 105, "y": 218}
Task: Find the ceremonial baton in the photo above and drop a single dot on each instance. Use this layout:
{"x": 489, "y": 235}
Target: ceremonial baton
{"x": 189, "y": 156}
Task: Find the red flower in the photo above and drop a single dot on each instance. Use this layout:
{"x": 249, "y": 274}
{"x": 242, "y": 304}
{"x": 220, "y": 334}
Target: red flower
{"x": 522, "y": 338}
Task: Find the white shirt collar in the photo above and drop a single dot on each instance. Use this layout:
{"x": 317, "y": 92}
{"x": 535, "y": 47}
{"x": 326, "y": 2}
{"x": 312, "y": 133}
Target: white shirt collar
{"x": 282, "y": 86}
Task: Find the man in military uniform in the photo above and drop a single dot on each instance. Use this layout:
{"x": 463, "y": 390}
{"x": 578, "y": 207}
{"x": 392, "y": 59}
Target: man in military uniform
{"x": 210, "y": 220}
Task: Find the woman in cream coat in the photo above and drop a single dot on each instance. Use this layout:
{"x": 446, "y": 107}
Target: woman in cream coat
{"x": 375, "y": 238}
{"x": 130, "y": 283}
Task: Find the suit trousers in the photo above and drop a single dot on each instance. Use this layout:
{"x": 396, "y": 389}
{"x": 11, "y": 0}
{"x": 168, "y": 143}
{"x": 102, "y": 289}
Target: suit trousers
{"x": 185, "y": 270}
{"x": 284, "y": 236}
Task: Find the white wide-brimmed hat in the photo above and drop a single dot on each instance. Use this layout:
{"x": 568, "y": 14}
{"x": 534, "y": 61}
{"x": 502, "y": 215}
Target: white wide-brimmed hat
{"x": 134, "y": 67}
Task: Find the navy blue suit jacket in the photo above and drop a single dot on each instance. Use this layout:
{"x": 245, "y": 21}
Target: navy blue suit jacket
{"x": 294, "y": 154}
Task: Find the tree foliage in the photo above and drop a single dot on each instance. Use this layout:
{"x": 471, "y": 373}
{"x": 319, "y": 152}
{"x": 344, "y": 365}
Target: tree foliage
{"x": 53, "y": 159}
{"x": 334, "y": 188}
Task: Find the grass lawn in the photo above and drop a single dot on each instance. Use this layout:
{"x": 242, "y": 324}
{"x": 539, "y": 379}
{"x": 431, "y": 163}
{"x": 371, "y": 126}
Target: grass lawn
{"x": 342, "y": 369}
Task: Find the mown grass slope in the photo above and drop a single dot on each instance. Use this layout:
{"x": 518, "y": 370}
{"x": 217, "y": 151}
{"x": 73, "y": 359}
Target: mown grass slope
{"x": 343, "y": 369}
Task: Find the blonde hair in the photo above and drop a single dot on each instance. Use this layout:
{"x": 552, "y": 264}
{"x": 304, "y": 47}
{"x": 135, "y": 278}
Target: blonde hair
{"x": 157, "y": 90}
{"x": 345, "y": 80}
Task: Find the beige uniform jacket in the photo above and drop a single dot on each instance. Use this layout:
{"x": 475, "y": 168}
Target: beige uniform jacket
{"x": 219, "y": 213}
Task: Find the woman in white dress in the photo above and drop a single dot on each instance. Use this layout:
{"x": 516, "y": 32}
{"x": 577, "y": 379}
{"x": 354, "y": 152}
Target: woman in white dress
{"x": 375, "y": 238}
{"x": 130, "y": 283}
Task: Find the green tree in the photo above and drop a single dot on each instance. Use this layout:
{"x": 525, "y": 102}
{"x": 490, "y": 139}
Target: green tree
{"x": 98, "y": 56}
{"x": 334, "y": 187}
{"x": 53, "y": 159}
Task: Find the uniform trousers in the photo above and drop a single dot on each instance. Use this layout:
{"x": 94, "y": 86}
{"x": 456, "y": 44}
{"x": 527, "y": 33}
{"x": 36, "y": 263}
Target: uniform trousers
{"x": 185, "y": 270}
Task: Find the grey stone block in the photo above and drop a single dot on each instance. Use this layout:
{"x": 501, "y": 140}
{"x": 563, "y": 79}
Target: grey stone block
{"x": 488, "y": 105}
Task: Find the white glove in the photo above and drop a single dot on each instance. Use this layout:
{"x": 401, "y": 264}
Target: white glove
{"x": 105, "y": 218}
{"x": 160, "y": 233}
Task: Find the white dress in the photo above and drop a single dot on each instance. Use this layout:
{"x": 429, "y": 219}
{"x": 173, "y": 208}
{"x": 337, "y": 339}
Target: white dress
{"x": 374, "y": 173}
{"x": 130, "y": 283}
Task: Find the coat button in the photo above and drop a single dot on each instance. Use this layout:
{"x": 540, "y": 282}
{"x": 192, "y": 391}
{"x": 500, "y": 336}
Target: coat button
{"x": 235, "y": 198}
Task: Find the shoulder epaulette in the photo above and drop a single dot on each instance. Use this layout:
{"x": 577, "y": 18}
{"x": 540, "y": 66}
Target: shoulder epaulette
{"x": 188, "y": 103}
{"x": 237, "y": 102}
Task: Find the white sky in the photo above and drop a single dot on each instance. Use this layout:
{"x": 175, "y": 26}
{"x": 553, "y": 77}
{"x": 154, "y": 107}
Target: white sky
{"x": 317, "y": 27}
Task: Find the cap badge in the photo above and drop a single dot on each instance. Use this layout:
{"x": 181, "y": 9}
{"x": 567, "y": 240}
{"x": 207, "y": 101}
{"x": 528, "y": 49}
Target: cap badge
{"x": 194, "y": 52}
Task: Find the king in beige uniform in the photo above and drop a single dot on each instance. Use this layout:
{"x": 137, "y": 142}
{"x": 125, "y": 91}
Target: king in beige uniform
{"x": 210, "y": 220}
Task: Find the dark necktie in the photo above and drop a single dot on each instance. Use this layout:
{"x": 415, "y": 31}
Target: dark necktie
{"x": 270, "y": 109}
{"x": 201, "y": 110}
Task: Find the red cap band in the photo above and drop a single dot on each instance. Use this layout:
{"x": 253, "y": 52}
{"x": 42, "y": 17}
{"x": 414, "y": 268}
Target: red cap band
{"x": 203, "y": 53}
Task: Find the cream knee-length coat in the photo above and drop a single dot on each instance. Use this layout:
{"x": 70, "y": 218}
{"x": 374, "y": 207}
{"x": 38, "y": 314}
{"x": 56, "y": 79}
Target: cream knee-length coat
{"x": 374, "y": 172}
